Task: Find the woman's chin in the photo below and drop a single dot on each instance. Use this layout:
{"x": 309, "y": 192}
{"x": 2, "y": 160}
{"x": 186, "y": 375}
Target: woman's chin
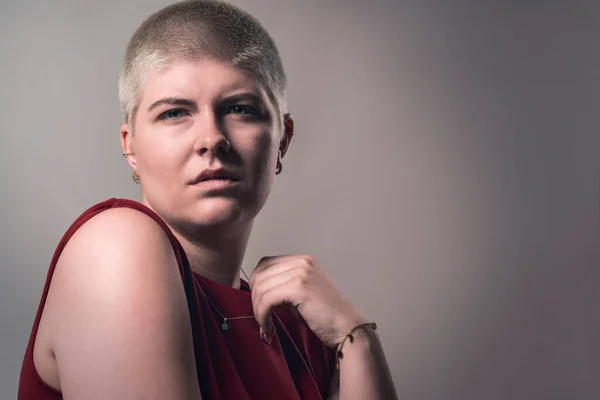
{"x": 219, "y": 213}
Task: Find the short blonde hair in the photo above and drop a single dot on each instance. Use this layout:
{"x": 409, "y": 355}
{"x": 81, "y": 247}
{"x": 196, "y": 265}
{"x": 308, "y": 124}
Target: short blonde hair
{"x": 192, "y": 29}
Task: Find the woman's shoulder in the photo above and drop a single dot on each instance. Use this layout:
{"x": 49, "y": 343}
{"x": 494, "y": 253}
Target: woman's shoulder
{"x": 116, "y": 214}
{"x": 118, "y": 273}
{"x": 114, "y": 241}
{"x": 117, "y": 235}
{"x": 117, "y": 203}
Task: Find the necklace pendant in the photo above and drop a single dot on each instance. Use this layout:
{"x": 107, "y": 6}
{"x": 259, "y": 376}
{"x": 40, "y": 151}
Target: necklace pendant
{"x": 225, "y": 327}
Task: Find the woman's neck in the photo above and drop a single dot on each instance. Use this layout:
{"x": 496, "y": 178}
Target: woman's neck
{"x": 219, "y": 259}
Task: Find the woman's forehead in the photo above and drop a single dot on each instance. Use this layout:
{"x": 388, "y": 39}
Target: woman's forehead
{"x": 205, "y": 76}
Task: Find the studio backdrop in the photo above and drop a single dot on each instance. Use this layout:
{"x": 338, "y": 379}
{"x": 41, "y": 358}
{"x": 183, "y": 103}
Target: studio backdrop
{"x": 445, "y": 172}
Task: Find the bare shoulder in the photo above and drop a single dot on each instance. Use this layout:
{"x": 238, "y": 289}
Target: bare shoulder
{"x": 119, "y": 228}
{"x": 116, "y": 317}
{"x": 119, "y": 245}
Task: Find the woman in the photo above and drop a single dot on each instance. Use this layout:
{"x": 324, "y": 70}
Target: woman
{"x": 145, "y": 300}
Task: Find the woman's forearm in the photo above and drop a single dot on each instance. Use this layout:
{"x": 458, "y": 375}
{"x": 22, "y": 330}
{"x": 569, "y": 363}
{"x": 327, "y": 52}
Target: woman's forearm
{"x": 364, "y": 372}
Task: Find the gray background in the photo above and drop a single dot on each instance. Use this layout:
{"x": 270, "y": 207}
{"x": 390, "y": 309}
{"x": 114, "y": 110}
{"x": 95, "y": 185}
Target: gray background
{"x": 445, "y": 172}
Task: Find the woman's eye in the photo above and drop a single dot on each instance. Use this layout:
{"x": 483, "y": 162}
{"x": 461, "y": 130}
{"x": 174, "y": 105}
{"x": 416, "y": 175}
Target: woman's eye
{"x": 245, "y": 111}
{"x": 172, "y": 114}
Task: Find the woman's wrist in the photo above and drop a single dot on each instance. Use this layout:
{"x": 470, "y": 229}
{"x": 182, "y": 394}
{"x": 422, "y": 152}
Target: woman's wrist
{"x": 362, "y": 336}
{"x": 363, "y": 370}
{"x": 349, "y": 324}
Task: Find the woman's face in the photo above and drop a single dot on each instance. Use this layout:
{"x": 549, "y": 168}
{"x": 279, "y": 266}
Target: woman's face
{"x": 206, "y": 140}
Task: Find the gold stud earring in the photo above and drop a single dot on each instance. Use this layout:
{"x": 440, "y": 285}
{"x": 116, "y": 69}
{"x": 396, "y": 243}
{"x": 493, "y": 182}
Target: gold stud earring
{"x": 127, "y": 154}
{"x": 135, "y": 177}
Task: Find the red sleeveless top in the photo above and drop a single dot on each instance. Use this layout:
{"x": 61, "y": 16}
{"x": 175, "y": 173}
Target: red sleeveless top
{"x": 295, "y": 366}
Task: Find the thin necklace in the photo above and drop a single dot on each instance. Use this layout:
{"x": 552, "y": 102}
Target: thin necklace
{"x": 244, "y": 272}
{"x": 224, "y": 325}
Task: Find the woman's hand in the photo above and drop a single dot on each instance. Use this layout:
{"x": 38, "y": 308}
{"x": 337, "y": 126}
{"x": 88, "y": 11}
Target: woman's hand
{"x": 299, "y": 281}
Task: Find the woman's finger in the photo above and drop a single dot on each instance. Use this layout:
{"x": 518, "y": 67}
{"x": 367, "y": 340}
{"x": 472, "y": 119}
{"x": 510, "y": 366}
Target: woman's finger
{"x": 264, "y": 284}
{"x": 287, "y": 292}
{"x": 267, "y": 262}
{"x": 273, "y": 270}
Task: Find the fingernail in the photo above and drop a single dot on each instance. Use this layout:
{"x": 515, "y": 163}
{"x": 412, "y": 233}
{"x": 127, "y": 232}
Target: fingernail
{"x": 265, "y": 338}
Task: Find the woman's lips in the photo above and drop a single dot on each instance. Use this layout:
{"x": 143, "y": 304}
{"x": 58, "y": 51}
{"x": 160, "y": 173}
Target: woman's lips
{"x": 216, "y": 183}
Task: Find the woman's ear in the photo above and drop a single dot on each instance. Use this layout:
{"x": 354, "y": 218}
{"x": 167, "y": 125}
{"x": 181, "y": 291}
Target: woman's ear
{"x": 127, "y": 145}
{"x": 288, "y": 132}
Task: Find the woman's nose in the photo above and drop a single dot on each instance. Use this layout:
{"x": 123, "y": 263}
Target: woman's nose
{"x": 211, "y": 137}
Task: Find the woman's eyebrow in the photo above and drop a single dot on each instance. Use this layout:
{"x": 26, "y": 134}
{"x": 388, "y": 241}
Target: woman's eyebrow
{"x": 245, "y": 96}
{"x": 173, "y": 101}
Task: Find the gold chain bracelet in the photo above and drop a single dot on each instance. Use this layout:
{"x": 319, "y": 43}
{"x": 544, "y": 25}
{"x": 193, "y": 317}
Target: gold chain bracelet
{"x": 349, "y": 337}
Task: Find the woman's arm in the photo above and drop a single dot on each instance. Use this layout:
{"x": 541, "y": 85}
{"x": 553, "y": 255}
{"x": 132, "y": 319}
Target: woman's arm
{"x": 364, "y": 373}
{"x": 299, "y": 281}
{"x": 122, "y": 328}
